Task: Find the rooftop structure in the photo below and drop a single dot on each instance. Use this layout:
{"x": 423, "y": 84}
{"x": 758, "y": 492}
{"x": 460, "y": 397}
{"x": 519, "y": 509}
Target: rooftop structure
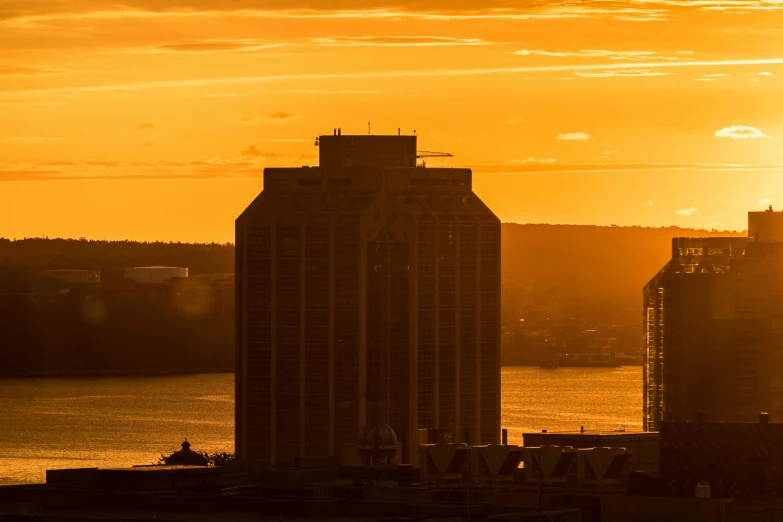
{"x": 365, "y": 282}
{"x": 643, "y": 446}
{"x": 354, "y": 151}
{"x": 766, "y": 225}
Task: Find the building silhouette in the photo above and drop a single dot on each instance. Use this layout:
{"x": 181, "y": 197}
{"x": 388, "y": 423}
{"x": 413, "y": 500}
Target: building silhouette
{"x": 713, "y": 328}
{"x": 367, "y": 282}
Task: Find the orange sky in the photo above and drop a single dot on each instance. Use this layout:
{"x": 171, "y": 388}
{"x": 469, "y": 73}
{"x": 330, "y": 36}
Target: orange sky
{"x": 154, "y": 119}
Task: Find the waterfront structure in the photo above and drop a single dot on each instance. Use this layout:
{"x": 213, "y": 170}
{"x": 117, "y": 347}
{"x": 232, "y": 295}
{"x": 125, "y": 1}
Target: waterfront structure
{"x": 151, "y": 275}
{"x": 365, "y": 282}
{"x": 713, "y": 328}
{"x": 186, "y": 457}
{"x": 74, "y": 277}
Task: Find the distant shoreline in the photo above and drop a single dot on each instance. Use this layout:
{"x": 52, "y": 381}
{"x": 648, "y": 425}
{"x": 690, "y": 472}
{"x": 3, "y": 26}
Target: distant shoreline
{"x": 167, "y": 373}
{"x": 111, "y": 373}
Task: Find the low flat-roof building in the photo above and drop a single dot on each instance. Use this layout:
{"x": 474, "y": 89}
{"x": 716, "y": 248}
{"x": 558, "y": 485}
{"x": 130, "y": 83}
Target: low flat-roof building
{"x": 74, "y": 276}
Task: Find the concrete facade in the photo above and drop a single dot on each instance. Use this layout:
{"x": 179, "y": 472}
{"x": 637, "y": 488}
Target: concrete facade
{"x": 369, "y": 282}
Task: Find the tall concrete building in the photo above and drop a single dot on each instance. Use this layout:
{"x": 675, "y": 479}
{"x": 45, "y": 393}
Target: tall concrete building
{"x": 713, "y": 328}
{"x": 366, "y": 282}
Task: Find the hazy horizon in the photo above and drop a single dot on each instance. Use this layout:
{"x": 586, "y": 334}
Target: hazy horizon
{"x": 231, "y": 241}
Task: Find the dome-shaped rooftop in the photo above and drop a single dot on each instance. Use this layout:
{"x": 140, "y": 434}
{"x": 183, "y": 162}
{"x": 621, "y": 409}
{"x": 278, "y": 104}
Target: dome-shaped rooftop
{"x": 186, "y": 457}
{"x": 377, "y": 442}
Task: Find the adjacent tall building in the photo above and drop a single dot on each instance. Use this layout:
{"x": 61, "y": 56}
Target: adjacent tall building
{"x": 713, "y": 328}
{"x": 367, "y": 282}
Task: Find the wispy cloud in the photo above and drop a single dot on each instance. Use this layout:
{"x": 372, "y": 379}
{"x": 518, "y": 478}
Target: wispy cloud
{"x": 618, "y": 10}
{"x": 649, "y": 203}
{"x": 253, "y": 152}
{"x": 7, "y": 69}
{"x": 711, "y": 225}
{"x": 543, "y": 168}
{"x": 281, "y": 115}
{"x": 531, "y": 160}
{"x": 573, "y": 136}
{"x": 25, "y": 139}
{"x": 218, "y": 46}
{"x": 621, "y": 73}
{"x": 740, "y": 132}
{"x": 204, "y": 82}
{"x": 741, "y": 6}
{"x": 164, "y": 168}
{"x": 688, "y": 212}
{"x": 399, "y": 41}
{"x": 597, "y": 53}
{"x": 763, "y": 73}
{"x": 763, "y": 202}
{"x": 605, "y": 154}
{"x": 276, "y": 116}
{"x": 251, "y": 164}
{"x": 712, "y": 77}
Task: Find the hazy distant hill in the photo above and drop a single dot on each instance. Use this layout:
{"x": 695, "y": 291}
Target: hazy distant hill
{"x": 28, "y": 256}
{"x": 595, "y": 272}
{"x": 593, "y": 275}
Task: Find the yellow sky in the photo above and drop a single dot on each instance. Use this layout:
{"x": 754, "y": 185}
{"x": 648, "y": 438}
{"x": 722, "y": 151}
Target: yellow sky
{"x": 154, "y": 119}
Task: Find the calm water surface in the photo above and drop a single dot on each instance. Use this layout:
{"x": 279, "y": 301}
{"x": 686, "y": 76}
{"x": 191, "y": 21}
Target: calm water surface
{"x": 122, "y": 421}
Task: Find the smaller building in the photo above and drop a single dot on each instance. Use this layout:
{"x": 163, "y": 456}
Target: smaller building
{"x": 186, "y": 457}
{"x": 643, "y": 445}
{"x": 589, "y": 348}
{"x": 73, "y": 276}
{"x": 151, "y": 275}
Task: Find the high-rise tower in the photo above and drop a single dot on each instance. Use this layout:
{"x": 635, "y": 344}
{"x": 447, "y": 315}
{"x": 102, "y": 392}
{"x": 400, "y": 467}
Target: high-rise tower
{"x": 713, "y": 328}
{"x": 367, "y": 282}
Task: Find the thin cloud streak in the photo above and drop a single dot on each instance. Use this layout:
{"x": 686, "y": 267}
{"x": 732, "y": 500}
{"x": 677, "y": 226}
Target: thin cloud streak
{"x": 29, "y": 70}
{"x": 687, "y": 212}
{"x": 624, "y": 73}
{"x": 564, "y": 168}
{"x": 617, "y": 12}
{"x": 400, "y": 41}
{"x": 573, "y": 136}
{"x": 203, "y": 82}
{"x": 597, "y": 53}
{"x": 251, "y": 164}
{"x": 217, "y": 46}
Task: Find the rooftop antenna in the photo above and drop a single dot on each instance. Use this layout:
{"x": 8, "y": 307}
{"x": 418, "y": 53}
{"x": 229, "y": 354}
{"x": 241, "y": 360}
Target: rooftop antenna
{"x": 369, "y": 133}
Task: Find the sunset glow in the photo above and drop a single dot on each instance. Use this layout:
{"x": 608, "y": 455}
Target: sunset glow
{"x": 154, "y": 120}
